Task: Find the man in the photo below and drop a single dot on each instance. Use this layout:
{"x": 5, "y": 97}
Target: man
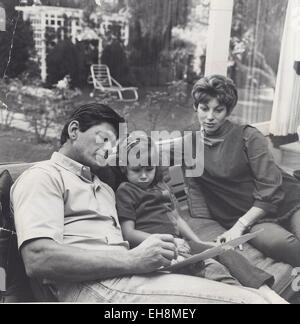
{"x": 69, "y": 234}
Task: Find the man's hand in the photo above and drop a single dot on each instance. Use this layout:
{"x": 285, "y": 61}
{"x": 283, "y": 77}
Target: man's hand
{"x": 235, "y": 232}
{"x": 154, "y": 253}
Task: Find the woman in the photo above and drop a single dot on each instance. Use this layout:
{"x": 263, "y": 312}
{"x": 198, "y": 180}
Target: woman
{"x": 243, "y": 187}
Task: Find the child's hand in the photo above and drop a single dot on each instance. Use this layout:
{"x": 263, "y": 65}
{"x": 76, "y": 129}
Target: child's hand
{"x": 183, "y": 247}
{"x": 211, "y": 244}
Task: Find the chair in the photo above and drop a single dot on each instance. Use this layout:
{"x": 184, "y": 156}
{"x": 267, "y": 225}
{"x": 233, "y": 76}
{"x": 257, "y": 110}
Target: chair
{"x": 192, "y": 203}
{"x": 103, "y": 81}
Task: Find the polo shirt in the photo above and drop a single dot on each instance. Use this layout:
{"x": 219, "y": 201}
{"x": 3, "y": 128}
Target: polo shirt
{"x": 62, "y": 200}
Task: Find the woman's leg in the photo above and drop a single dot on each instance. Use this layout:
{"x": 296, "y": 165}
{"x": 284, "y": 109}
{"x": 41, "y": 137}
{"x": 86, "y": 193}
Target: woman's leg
{"x": 277, "y": 243}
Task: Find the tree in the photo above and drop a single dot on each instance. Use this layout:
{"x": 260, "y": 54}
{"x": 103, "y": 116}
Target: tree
{"x": 114, "y": 57}
{"x": 16, "y": 44}
{"x": 65, "y": 59}
{"x": 150, "y": 33}
{"x": 151, "y": 26}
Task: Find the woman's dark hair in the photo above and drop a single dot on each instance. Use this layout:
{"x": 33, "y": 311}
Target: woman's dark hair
{"x": 90, "y": 115}
{"x": 215, "y": 86}
{"x": 151, "y": 149}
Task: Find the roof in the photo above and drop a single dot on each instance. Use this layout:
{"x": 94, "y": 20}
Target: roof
{"x": 48, "y": 9}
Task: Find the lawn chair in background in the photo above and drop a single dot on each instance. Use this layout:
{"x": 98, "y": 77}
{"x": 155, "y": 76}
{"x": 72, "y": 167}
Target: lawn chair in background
{"x": 103, "y": 81}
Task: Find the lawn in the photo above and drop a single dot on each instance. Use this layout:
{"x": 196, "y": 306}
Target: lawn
{"x": 19, "y": 146}
{"x": 158, "y": 108}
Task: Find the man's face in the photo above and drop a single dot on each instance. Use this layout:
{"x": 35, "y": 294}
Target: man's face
{"x": 93, "y": 147}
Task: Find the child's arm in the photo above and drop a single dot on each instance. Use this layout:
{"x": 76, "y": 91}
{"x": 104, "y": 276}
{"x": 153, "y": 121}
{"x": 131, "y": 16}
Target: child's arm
{"x": 133, "y": 236}
{"x": 186, "y": 231}
{"x": 126, "y": 202}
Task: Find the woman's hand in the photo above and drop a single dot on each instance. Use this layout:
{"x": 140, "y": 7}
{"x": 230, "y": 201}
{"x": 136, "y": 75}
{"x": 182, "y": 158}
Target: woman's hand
{"x": 235, "y": 232}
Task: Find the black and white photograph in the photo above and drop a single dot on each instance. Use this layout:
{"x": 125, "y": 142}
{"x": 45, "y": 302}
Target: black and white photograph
{"x": 150, "y": 154}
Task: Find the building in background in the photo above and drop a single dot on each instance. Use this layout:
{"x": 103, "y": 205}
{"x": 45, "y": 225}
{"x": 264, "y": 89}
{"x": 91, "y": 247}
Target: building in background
{"x": 51, "y": 19}
{"x": 63, "y": 22}
{"x": 116, "y": 23}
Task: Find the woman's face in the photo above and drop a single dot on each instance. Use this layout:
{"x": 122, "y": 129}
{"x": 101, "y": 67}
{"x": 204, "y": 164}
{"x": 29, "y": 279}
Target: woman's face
{"x": 211, "y": 115}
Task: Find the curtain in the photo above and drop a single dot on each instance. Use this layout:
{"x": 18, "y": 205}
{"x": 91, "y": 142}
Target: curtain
{"x": 286, "y": 108}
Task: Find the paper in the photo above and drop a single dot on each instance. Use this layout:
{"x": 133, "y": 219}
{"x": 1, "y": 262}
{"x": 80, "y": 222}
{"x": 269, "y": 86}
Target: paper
{"x": 213, "y": 252}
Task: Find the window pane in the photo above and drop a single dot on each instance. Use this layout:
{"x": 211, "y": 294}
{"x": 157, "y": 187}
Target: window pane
{"x": 256, "y": 35}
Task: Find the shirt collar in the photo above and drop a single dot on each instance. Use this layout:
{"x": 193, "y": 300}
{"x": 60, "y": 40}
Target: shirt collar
{"x": 72, "y": 166}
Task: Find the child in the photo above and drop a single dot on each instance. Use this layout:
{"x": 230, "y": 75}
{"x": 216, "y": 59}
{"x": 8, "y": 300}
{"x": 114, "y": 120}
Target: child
{"x": 146, "y": 206}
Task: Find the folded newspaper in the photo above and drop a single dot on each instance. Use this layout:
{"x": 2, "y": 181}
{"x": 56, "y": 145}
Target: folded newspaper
{"x": 204, "y": 252}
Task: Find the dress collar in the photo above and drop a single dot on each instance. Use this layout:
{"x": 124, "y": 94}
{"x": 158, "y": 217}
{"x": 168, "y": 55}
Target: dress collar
{"x": 218, "y": 136}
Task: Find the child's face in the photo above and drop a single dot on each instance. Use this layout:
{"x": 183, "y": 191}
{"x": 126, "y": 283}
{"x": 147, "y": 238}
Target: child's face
{"x": 141, "y": 176}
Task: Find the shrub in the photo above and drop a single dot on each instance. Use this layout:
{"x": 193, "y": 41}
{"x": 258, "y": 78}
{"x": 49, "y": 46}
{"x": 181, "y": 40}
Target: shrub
{"x": 43, "y": 108}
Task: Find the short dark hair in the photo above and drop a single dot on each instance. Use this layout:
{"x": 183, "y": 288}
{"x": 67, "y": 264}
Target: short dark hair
{"x": 215, "y": 86}
{"x": 90, "y": 115}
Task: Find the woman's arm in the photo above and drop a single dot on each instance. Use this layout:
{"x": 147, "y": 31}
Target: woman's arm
{"x": 133, "y": 236}
{"x": 267, "y": 177}
{"x": 250, "y": 218}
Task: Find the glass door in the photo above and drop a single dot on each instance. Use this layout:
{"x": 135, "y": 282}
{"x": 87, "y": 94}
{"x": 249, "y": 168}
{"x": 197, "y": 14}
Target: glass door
{"x": 255, "y": 44}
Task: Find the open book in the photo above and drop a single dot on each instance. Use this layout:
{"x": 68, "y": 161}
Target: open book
{"x": 202, "y": 252}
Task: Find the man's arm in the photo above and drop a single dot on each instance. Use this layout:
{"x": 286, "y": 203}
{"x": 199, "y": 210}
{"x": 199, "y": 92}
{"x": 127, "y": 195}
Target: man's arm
{"x": 44, "y": 258}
